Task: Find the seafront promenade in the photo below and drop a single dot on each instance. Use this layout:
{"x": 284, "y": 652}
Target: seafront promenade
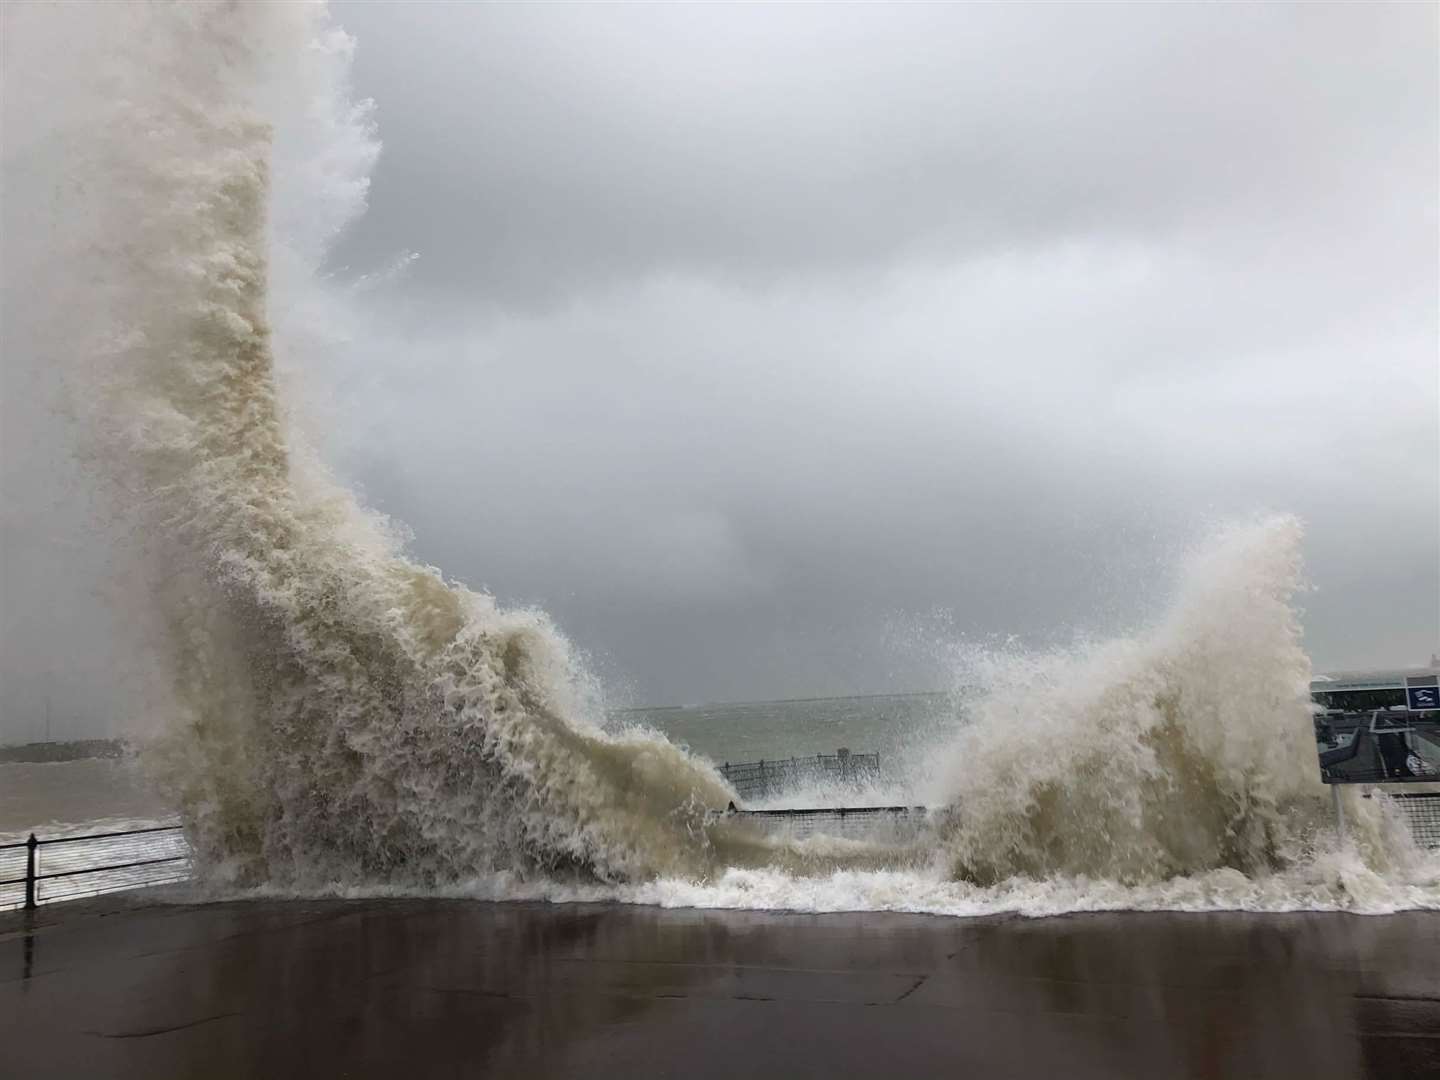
{"x": 126, "y": 987}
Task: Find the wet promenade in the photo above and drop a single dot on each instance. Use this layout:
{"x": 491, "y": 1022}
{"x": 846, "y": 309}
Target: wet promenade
{"x": 409, "y": 989}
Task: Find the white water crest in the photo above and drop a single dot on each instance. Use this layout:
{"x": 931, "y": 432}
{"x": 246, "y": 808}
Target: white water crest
{"x": 342, "y": 718}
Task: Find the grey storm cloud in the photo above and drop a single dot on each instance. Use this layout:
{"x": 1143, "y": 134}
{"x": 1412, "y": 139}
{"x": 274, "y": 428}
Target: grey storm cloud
{"x": 533, "y": 153}
{"x": 738, "y": 336}
{"x": 768, "y": 347}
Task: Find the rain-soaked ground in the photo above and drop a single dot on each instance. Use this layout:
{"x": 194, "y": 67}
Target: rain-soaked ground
{"x": 121, "y": 987}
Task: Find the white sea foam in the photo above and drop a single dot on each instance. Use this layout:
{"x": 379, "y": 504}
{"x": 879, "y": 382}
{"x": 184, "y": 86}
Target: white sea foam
{"x": 343, "y": 719}
{"x": 1335, "y": 880}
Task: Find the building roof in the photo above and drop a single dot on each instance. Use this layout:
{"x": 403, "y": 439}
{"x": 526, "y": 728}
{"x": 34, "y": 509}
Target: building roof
{"x": 1377, "y": 679}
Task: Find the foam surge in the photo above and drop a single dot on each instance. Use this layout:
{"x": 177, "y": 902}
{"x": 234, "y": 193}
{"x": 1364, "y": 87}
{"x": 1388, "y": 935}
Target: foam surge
{"x": 1184, "y": 749}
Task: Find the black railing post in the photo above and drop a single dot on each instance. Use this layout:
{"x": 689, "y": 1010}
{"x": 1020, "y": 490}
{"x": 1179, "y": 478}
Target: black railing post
{"x": 30, "y": 846}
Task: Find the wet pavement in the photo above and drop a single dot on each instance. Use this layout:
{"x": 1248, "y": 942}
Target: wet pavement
{"x": 441, "y": 988}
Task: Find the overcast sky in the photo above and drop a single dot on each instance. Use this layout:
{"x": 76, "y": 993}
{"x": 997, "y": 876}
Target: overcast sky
{"x": 767, "y": 346}
{"x": 742, "y": 339}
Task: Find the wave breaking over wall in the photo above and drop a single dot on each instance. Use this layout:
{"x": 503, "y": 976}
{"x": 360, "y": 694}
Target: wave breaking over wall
{"x": 342, "y": 713}
{"x": 1184, "y": 749}
{"x": 342, "y": 717}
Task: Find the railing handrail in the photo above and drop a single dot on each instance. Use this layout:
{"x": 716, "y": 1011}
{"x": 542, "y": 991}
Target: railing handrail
{"x": 108, "y": 836}
{"x": 95, "y": 869}
{"x": 92, "y": 836}
{"x": 783, "y": 761}
{"x": 1411, "y": 794}
{"x": 813, "y": 811}
{"x": 32, "y": 846}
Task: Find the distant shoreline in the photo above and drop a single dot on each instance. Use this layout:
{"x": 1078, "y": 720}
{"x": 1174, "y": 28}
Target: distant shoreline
{"x": 779, "y": 701}
{"x": 75, "y": 750}
{"x": 85, "y": 749}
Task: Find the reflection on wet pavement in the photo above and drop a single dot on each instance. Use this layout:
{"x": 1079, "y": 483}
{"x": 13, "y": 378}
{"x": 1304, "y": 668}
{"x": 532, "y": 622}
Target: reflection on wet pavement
{"x": 421, "y": 988}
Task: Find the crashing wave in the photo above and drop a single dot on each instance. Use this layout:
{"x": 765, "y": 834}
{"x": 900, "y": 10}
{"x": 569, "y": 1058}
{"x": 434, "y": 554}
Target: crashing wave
{"x": 342, "y": 716}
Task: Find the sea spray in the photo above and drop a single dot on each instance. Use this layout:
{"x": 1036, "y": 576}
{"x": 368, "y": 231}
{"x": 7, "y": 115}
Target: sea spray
{"x": 342, "y": 713}
{"x": 1182, "y": 750}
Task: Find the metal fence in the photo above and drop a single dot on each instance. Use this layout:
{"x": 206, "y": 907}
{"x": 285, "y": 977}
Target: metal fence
{"x": 756, "y": 779}
{"x": 1421, "y": 811}
{"x": 38, "y": 871}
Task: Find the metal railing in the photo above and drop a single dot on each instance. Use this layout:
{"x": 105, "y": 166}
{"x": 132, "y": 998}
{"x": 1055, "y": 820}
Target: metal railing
{"x": 752, "y": 779}
{"x": 90, "y": 864}
{"x": 1421, "y": 811}
{"x": 854, "y": 822}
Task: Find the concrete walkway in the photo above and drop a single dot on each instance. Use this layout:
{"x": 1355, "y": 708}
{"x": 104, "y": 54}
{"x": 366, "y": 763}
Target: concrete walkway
{"x": 428, "y": 988}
